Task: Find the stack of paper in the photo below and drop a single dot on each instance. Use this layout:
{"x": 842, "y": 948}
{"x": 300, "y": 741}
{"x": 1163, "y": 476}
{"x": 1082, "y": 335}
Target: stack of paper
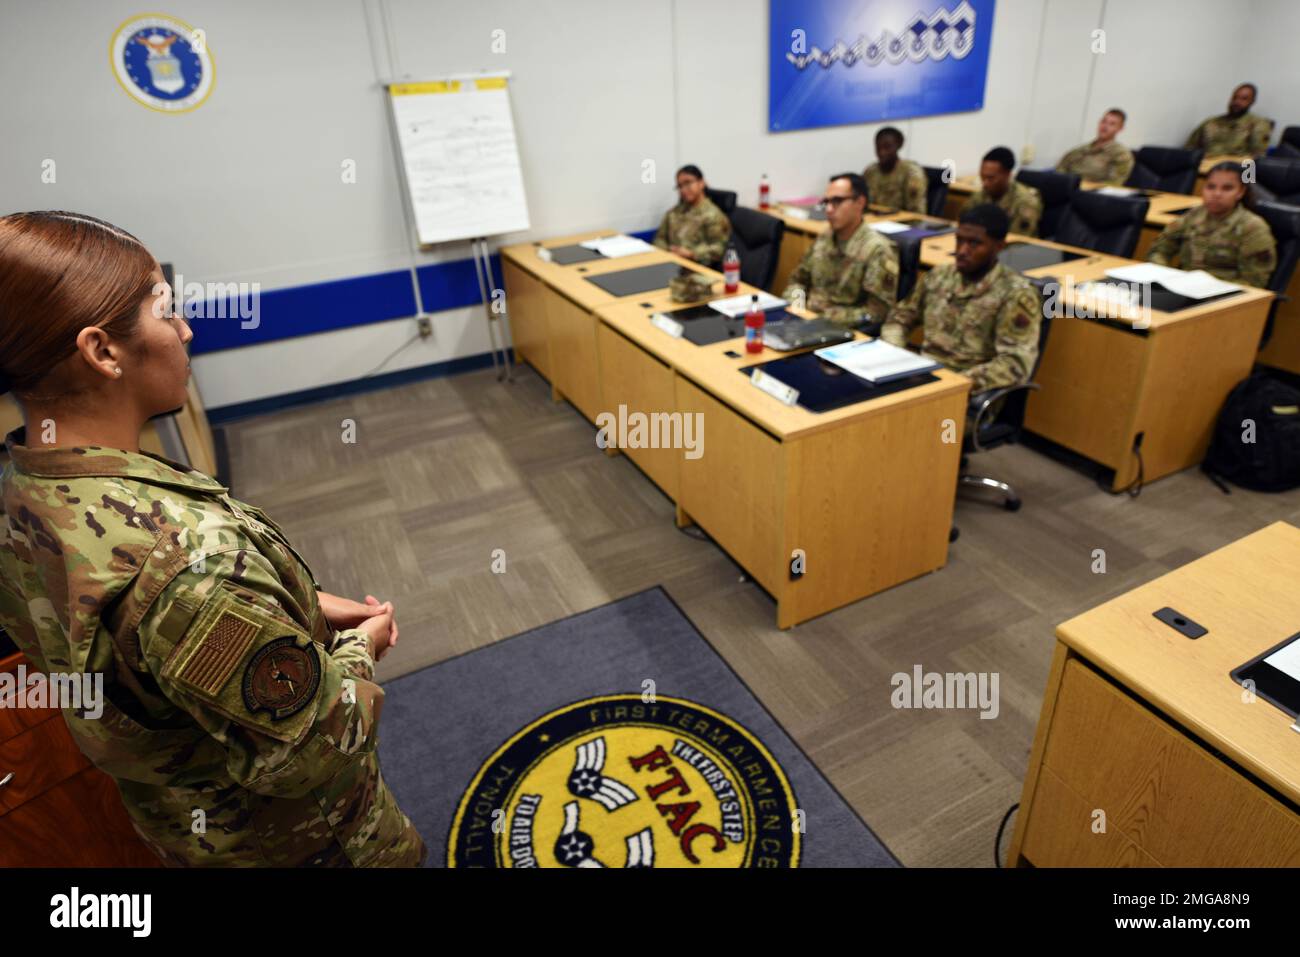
{"x": 876, "y": 360}
{"x": 887, "y": 227}
{"x": 1115, "y": 190}
{"x": 613, "y": 247}
{"x": 1197, "y": 284}
{"x": 739, "y": 305}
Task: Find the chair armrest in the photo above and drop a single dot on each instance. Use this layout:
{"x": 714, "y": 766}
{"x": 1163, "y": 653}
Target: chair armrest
{"x": 981, "y": 402}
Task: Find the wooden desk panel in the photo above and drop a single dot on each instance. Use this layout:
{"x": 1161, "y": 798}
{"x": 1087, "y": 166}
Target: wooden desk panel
{"x": 526, "y": 303}
{"x": 634, "y": 378}
{"x": 1283, "y": 349}
{"x": 1149, "y": 727}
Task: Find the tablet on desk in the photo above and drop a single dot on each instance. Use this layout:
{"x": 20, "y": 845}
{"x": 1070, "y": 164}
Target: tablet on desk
{"x": 1022, "y": 256}
{"x": 1275, "y": 675}
{"x": 568, "y": 255}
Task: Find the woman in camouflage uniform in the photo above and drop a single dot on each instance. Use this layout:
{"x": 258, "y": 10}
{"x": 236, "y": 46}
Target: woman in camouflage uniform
{"x": 1222, "y": 235}
{"x": 240, "y": 712}
{"x": 695, "y": 228}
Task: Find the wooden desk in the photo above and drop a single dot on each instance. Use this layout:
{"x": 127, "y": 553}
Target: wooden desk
{"x": 1283, "y": 349}
{"x": 1148, "y": 727}
{"x": 551, "y": 314}
{"x": 1106, "y": 383}
{"x": 864, "y": 492}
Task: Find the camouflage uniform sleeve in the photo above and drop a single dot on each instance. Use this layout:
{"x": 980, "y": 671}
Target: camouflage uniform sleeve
{"x": 1257, "y": 255}
{"x": 661, "y": 234}
{"x": 1198, "y": 136}
{"x": 1031, "y": 210}
{"x": 716, "y": 233}
{"x": 904, "y": 317}
{"x": 1168, "y": 244}
{"x": 1260, "y": 134}
{"x": 1066, "y": 161}
{"x": 797, "y": 284}
{"x": 917, "y": 185}
{"x": 290, "y": 713}
{"x": 1015, "y": 342}
{"x": 1122, "y": 167}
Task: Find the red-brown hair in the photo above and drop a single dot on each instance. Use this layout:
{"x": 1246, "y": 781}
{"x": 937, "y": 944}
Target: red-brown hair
{"x": 61, "y": 272}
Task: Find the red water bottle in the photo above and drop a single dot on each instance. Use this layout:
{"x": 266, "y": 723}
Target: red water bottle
{"x": 754, "y": 321}
{"x": 731, "y": 270}
{"x": 764, "y": 193}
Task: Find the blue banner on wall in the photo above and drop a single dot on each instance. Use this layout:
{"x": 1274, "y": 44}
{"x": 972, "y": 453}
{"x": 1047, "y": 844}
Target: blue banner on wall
{"x": 863, "y": 61}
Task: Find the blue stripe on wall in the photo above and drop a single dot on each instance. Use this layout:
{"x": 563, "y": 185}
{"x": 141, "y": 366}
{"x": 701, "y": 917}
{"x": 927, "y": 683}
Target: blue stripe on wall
{"x": 339, "y": 304}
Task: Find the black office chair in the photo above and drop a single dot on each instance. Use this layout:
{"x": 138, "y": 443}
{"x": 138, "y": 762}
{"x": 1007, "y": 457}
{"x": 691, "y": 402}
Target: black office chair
{"x": 1108, "y": 224}
{"x": 724, "y": 199}
{"x": 1289, "y": 144}
{"x": 1277, "y": 179}
{"x": 909, "y": 265}
{"x": 1055, "y": 189}
{"x": 1166, "y": 168}
{"x": 1003, "y": 427}
{"x": 1284, "y": 221}
{"x": 936, "y": 190}
{"x": 757, "y": 238}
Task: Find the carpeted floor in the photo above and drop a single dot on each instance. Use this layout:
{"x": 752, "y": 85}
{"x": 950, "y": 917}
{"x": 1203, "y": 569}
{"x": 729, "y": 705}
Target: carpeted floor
{"x": 443, "y": 725}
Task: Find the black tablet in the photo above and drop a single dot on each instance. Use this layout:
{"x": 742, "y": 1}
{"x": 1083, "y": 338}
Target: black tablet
{"x": 1275, "y": 675}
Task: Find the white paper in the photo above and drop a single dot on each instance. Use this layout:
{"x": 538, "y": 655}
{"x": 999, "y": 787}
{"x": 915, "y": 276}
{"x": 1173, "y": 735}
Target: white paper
{"x": 739, "y": 305}
{"x": 875, "y": 359}
{"x": 798, "y": 212}
{"x": 888, "y": 227}
{"x": 1115, "y": 190}
{"x": 1197, "y": 284}
{"x": 1287, "y": 660}
{"x": 614, "y": 247}
{"x": 461, "y": 161}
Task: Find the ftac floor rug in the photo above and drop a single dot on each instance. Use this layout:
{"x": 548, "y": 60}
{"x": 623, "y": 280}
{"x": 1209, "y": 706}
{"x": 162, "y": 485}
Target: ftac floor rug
{"x": 616, "y": 737}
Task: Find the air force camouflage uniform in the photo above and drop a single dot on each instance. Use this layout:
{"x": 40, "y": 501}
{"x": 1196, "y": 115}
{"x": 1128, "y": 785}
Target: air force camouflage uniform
{"x": 1245, "y": 135}
{"x": 847, "y": 282}
{"x": 1022, "y": 204}
{"x": 987, "y": 329}
{"x": 1236, "y": 248}
{"x": 703, "y": 229}
{"x": 240, "y": 728}
{"x": 903, "y": 187}
{"x": 1110, "y": 163}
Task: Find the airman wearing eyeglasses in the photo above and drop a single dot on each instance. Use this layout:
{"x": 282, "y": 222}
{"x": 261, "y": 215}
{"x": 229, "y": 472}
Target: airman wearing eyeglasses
{"x": 850, "y": 275}
{"x": 695, "y": 228}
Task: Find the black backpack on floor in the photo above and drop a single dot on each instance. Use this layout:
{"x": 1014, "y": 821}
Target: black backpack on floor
{"x": 1270, "y": 463}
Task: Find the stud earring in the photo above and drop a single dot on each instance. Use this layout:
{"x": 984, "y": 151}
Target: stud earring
{"x": 117, "y": 371}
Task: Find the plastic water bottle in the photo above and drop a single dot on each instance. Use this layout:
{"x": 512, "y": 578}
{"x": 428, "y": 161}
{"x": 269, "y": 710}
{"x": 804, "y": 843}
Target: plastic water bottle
{"x": 755, "y": 319}
{"x": 731, "y": 270}
{"x": 764, "y": 193}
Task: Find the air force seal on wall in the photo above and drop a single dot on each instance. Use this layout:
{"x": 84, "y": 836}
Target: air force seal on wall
{"x": 618, "y": 782}
{"x": 162, "y": 62}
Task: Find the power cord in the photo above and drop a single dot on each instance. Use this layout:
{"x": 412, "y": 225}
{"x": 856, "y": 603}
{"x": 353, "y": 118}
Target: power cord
{"x": 1134, "y": 488}
{"x": 997, "y": 841}
{"x": 389, "y": 357}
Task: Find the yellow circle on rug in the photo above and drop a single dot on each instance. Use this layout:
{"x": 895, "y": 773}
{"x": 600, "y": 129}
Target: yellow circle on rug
{"x": 618, "y": 781}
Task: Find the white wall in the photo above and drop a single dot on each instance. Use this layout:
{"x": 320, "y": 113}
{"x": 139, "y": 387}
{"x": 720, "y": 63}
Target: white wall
{"x": 248, "y": 187}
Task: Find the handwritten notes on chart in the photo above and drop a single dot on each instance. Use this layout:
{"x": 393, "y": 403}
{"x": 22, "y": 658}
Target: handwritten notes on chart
{"x": 463, "y": 176}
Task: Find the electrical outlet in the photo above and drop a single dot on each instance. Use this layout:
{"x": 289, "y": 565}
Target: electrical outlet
{"x": 426, "y": 326}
